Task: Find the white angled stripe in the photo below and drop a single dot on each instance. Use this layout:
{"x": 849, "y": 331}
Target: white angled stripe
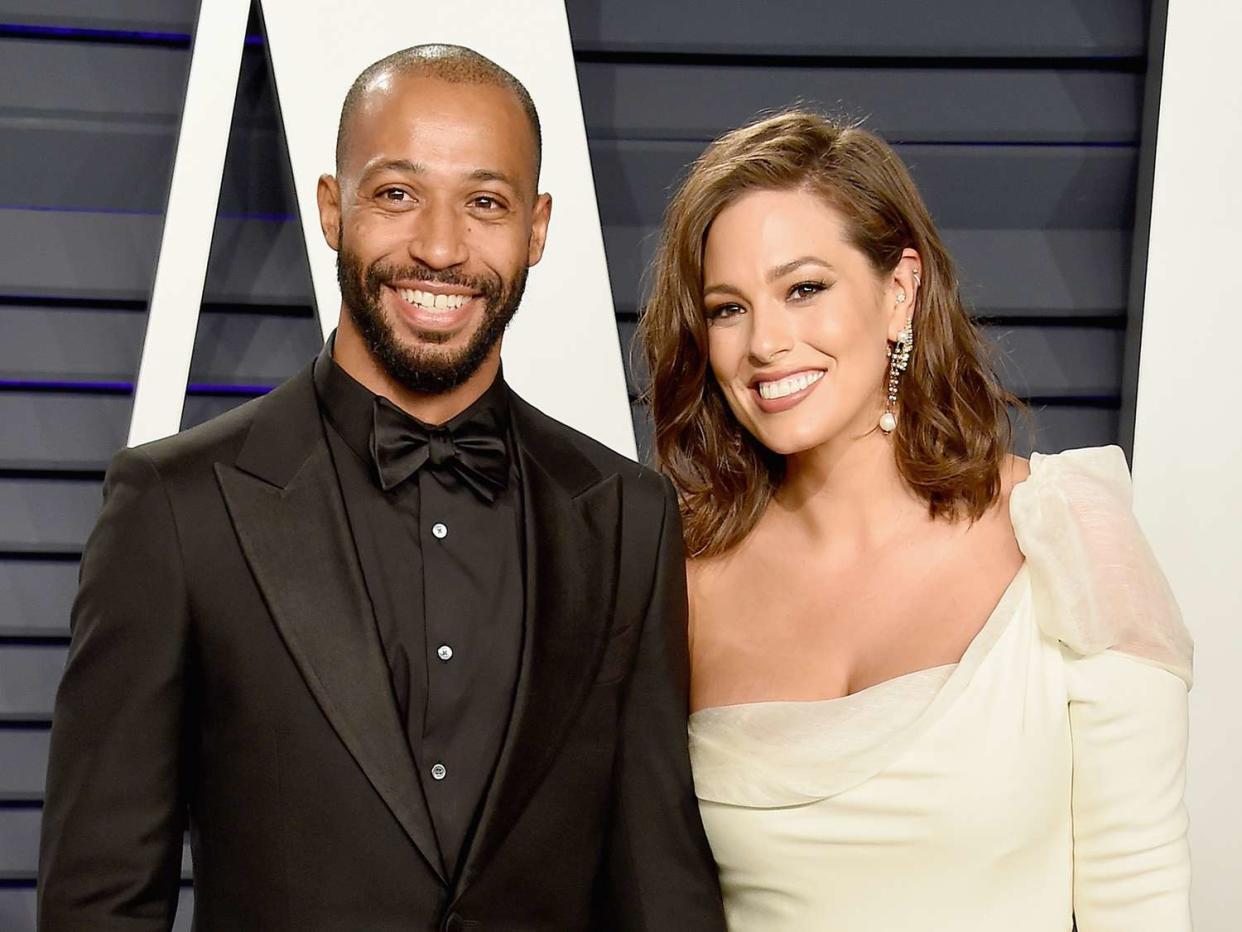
{"x": 159, "y": 395}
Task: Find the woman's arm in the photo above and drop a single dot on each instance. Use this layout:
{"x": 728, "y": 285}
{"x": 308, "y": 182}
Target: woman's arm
{"x": 1131, "y": 860}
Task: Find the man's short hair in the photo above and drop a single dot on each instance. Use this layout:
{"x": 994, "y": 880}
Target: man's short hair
{"x": 453, "y": 63}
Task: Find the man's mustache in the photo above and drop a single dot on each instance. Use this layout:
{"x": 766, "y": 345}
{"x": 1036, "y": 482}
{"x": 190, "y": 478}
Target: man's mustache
{"x": 382, "y": 274}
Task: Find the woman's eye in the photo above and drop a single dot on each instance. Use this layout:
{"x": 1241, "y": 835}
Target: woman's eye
{"x": 806, "y": 289}
{"x": 723, "y": 312}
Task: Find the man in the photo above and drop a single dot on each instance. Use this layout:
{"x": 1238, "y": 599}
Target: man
{"x": 400, "y": 650}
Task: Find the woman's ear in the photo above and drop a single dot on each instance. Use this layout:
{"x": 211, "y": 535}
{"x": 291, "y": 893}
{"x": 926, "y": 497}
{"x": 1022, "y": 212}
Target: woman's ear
{"x": 902, "y": 292}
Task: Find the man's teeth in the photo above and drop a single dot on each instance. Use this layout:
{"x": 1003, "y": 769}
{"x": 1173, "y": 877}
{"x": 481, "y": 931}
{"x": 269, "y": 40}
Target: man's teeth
{"x": 795, "y": 383}
{"x": 432, "y": 302}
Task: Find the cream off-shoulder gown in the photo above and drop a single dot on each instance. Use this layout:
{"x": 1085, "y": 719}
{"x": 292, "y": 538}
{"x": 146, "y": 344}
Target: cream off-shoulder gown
{"x": 1036, "y": 781}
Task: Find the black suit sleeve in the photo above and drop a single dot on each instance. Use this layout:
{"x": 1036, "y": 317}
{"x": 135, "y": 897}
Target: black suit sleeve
{"x": 660, "y": 872}
{"x": 114, "y": 812}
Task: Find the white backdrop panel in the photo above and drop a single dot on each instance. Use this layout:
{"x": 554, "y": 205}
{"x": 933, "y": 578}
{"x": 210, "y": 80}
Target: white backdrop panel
{"x": 1187, "y": 449}
{"x": 562, "y": 352}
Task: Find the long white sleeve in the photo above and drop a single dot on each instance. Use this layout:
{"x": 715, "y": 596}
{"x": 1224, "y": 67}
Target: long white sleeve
{"x": 1128, "y": 721}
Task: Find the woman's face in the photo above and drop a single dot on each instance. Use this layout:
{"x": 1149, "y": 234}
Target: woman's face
{"x": 798, "y": 320}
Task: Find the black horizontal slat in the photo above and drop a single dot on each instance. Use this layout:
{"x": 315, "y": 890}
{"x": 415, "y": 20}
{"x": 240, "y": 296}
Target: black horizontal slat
{"x": 60, "y": 344}
{"x": 1063, "y": 273}
{"x": 960, "y": 28}
{"x": 105, "y": 255}
{"x": 29, "y": 674}
{"x": 24, "y": 753}
{"x": 35, "y": 597}
{"x": 44, "y": 515}
{"x": 164, "y": 15}
{"x": 61, "y": 430}
{"x": 17, "y": 908}
{"x": 976, "y": 187}
{"x": 699, "y": 102}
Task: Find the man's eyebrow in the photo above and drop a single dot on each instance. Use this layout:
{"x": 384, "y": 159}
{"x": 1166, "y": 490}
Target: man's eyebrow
{"x": 397, "y": 165}
{"x": 490, "y": 174}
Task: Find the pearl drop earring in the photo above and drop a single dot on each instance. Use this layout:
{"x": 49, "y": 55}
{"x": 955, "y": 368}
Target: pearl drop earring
{"x": 898, "y": 360}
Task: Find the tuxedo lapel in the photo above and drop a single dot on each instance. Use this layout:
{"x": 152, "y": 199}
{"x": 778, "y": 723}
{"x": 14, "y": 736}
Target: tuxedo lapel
{"x": 286, "y": 507}
{"x": 571, "y": 515}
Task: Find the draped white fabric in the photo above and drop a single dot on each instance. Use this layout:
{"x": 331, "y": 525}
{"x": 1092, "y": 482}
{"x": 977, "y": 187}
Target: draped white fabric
{"x": 1038, "y": 779}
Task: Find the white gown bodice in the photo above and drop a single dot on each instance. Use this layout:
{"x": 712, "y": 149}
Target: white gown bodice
{"x": 1038, "y": 779}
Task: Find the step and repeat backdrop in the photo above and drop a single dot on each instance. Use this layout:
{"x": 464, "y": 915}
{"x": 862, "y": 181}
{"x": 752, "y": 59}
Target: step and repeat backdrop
{"x": 1023, "y": 125}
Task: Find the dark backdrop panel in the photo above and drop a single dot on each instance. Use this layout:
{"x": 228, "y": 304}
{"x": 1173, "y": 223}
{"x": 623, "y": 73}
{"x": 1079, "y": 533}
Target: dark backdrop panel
{"x": 1021, "y": 125}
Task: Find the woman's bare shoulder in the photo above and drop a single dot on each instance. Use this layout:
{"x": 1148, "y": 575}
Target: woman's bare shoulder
{"x": 1014, "y": 471}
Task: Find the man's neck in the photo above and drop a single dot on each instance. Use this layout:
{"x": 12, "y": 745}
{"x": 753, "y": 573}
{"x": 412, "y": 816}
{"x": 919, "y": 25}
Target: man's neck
{"x": 351, "y": 354}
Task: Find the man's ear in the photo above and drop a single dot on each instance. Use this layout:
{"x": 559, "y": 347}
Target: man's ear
{"x": 328, "y": 194}
{"x": 540, "y": 217}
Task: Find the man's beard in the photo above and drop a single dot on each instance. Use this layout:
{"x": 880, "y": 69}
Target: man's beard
{"x": 418, "y": 368}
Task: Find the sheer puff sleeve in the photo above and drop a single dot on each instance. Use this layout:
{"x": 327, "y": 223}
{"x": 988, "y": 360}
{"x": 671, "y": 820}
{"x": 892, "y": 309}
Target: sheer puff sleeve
{"x": 1099, "y": 592}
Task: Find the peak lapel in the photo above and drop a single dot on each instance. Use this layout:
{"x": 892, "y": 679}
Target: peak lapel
{"x": 572, "y": 538}
{"x": 297, "y": 541}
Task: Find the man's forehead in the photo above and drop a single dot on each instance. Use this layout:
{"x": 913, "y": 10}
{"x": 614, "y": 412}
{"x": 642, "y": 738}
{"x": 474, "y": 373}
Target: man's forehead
{"x": 401, "y": 104}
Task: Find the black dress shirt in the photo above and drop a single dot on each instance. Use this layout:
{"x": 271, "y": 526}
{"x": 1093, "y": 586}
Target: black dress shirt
{"x": 444, "y": 572}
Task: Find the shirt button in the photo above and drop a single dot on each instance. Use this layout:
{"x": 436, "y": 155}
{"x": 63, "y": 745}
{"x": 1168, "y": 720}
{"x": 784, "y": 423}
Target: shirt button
{"x": 439, "y": 531}
{"x": 438, "y": 772}
{"x": 444, "y": 652}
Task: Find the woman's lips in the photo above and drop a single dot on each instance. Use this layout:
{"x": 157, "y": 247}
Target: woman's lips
{"x": 775, "y": 395}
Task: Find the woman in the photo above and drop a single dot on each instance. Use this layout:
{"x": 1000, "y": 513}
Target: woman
{"x": 934, "y": 687}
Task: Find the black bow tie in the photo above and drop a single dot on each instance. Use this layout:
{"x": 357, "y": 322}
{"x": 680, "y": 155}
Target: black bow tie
{"x": 474, "y": 449}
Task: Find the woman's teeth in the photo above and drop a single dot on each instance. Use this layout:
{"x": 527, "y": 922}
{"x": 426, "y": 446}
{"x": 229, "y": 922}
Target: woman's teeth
{"x": 787, "y": 386}
{"x": 432, "y": 302}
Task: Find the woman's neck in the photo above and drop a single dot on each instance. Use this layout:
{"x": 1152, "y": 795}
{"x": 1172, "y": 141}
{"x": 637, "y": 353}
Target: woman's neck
{"x": 847, "y": 494}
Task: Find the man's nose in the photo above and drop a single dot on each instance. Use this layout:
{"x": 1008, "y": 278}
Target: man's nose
{"x": 438, "y": 240}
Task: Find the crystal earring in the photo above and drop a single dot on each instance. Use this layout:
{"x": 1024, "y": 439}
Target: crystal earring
{"x": 898, "y": 360}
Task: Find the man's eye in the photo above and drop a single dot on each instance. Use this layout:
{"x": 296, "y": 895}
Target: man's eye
{"x": 396, "y": 195}
{"x": 485, "y": 202}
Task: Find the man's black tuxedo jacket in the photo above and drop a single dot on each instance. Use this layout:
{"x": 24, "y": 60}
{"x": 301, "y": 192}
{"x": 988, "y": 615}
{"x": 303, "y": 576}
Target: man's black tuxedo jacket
{"x": 226, "y": 674}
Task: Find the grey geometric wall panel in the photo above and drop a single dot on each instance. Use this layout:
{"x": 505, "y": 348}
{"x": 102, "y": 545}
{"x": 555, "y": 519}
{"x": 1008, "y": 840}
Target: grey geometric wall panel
{"x": 46, "y": 515}
{"x": 35, "y": 597}
{"x": 61, "y": 430}
{"x": 1047, "y": 273}
{"x": 679, "y": 101}
{"x": 25, "y": 761}
{"x": 28, "y": 677}
{"x": 813, "y": 27}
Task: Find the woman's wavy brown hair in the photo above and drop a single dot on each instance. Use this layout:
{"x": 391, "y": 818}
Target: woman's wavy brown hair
{"x": 953, "y": 429}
